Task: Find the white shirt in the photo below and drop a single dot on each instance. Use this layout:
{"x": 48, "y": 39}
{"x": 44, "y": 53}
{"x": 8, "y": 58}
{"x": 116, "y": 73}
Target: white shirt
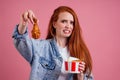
{"x": 65, "y": 55}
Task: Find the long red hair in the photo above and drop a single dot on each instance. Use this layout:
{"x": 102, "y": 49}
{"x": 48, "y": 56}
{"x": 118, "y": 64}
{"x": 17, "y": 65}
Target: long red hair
{"x": 76, "y": 44}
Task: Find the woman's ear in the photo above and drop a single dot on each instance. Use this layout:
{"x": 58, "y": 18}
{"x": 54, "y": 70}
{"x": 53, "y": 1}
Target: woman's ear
{"x": 54, "y": 24}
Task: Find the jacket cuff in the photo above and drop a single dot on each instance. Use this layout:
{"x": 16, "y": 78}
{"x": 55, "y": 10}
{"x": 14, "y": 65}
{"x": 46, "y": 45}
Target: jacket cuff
{"x": 16, "y": 34}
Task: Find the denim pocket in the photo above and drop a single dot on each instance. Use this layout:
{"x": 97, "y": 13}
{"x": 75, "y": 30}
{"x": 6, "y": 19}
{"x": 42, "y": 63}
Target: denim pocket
{"x": 50, "y": 65}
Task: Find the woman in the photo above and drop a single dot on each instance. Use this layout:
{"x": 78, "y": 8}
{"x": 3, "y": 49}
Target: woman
{"x": 63, "y": 40}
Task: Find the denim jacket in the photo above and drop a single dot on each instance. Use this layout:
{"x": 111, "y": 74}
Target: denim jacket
{"x": 43, "y": 56}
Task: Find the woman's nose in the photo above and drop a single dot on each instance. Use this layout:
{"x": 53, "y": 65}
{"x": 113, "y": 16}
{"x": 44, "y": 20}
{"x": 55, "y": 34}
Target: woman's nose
{"x": 67, "y": 25}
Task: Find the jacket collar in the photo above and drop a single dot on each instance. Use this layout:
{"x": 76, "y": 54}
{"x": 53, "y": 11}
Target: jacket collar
{"x": 55, "y": 48}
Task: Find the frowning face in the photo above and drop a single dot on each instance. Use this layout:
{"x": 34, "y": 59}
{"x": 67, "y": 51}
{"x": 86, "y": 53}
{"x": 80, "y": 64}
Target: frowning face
{"x": 64, "y": 25}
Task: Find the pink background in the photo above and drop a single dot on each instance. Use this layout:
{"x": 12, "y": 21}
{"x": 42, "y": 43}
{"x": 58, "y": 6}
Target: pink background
{"x": 100, "y": 21}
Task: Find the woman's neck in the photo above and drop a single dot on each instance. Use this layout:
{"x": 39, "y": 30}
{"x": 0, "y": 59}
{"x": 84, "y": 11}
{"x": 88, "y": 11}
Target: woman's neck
{"x": 62, "y": 42}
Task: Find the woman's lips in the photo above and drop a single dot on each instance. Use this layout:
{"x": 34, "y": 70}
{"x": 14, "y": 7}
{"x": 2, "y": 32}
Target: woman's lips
{"x": 66, "y": 31}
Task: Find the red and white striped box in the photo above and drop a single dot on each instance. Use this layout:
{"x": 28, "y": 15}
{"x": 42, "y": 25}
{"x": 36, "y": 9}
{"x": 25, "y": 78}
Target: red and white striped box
{"x": 72, "y": 66}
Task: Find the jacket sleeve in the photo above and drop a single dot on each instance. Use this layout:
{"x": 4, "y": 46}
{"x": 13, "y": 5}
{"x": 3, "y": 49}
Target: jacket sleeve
{"x": 86, "y": 77}
{"x": 23, "y": 44}
{"x": 90, "y": 77}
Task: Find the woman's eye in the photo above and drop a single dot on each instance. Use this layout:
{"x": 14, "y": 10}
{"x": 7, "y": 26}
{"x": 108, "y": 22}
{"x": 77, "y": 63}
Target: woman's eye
{"x": 72, "y": 22}
{"x": 63, "y": 21}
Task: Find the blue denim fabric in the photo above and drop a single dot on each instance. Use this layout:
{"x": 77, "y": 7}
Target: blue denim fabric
{"x": 43, "y": 56}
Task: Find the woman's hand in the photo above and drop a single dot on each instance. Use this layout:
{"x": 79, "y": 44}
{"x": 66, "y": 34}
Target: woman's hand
{"x": 26, "y": 17}
{"x": 82, "y": 68}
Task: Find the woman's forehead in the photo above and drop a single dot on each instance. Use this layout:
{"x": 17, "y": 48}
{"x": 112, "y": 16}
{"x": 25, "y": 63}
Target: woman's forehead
{"x": 65, "y": 15}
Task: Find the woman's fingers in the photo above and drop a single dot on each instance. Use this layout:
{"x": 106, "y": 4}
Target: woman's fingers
{"x": 32, "y": 17}
{"x": 82, "y": 66}
{"x": 24, "y": 19}
{"x": 28, "y": 16}
{"x": 25, "y": 16}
